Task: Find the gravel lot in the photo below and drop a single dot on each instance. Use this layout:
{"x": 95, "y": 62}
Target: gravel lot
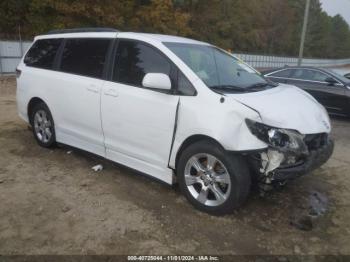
{"x": 51, "y": 202}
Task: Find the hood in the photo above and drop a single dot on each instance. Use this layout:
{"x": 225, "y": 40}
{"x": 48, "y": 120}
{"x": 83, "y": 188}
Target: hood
{"x": 287, "y": 107}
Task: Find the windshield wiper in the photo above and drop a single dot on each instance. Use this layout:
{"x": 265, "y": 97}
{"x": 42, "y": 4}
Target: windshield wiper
{"x": 258, "y": 85}
{"x": 228, "y": 88}
{"x": 261, "y": 85}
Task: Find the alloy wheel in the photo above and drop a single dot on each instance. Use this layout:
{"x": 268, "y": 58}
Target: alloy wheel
{"x": 42, "y": 126}
{"x": 207, "y": 179}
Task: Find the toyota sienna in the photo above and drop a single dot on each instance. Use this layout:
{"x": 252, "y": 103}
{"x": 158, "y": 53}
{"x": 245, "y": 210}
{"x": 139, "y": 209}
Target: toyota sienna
{"x": 176, "y": 109}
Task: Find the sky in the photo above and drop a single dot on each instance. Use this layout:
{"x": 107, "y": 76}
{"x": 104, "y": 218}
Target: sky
{"x": 333, "y": 7}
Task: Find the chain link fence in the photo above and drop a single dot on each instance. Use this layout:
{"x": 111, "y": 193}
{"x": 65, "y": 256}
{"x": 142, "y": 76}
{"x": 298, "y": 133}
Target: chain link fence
{"x": 12, "y": 51}
{"x": 266, "y": 61}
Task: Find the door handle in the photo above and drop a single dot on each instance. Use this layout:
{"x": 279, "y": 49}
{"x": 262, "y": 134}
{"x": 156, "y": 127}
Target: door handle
{"x": 93, "y": 89}
{"x": 111, "y": 92}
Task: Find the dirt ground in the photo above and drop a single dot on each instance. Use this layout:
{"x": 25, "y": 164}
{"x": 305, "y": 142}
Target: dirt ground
{"x": 51, "y": 202}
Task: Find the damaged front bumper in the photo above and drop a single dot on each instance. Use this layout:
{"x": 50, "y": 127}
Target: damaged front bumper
{"x": 315, "y": 159}
{"x": 277, "y": 166}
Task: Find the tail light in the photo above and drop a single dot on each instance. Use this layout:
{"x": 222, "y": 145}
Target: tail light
{"x": 18, "y": 73}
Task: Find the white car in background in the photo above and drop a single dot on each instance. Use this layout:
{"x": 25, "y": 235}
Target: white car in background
{"x": 173, "y": 108}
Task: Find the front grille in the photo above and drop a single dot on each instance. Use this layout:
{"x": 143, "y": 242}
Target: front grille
{"x": 315, "y": 141}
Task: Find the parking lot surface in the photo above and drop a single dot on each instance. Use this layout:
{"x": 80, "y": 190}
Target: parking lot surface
{"x": 52, "y": 202}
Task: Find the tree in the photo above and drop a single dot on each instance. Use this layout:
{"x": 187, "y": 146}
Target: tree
{"x": 160, "y": 16}
{"x": 12, "y": 15}
{"x": 340, "y": 36}
{"x": 255, "y": 26}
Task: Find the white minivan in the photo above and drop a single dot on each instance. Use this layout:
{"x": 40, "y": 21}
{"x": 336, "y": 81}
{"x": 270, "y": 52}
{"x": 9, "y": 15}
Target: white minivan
{"x": 173, "y": 108}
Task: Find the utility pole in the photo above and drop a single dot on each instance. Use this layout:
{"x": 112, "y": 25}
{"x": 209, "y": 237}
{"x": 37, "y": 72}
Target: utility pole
{"x": 20, "y": 39}
{"x": 303, "y": 33}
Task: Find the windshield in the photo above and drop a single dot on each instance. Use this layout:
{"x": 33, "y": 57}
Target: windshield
{"x": 217, "y": 69}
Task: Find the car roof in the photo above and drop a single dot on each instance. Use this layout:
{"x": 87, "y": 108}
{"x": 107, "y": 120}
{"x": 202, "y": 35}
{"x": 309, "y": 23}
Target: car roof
{"x": 109, "y": 33}
{"x": 270, "y": 71}
{"x": 162, "y": 38}
{"x": 296, "y": 67}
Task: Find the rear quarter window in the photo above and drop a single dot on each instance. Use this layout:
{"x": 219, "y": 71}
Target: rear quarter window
{"x": 42, "y": 53}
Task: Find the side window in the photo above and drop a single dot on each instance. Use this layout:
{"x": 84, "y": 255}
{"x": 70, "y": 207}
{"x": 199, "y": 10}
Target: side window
{"x": 311, "y": 75}
{"x": 85, "y": 56}
{"x": 42, "y": 53}
{"x": 318, "y": 76}
{"x": 284, "y": 73}
{"x": 302, "y": 74}
{"x": 134, "y": 60}
{"x": 184, "y": 86}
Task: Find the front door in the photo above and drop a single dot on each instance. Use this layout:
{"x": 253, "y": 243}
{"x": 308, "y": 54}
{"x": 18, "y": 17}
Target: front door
{"x": 138, "y": 122}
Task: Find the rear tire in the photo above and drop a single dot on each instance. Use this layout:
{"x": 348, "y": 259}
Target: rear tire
{"x": 213, "y": 180}
{"x": 43, "y": 125}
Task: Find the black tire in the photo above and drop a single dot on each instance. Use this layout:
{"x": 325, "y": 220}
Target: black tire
{"x": 235, "y": 165}
{"x": 42, "y": 107}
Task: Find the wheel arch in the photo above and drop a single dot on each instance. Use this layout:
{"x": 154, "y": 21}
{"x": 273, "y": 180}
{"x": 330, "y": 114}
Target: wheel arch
{"x": 32, "y": 103}
{"x": 193, "y": 139}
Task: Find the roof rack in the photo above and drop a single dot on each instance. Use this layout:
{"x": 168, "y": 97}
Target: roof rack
{"x": 82, "y": 30}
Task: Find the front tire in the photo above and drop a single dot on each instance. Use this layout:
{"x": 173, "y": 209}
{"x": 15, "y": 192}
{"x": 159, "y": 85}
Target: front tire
{"x": 43, "y": 125}
{"x": 213, "y": 180}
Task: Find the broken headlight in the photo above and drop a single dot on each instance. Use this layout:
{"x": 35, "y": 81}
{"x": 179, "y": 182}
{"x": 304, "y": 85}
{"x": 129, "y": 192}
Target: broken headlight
{"x": 279, "y": 138}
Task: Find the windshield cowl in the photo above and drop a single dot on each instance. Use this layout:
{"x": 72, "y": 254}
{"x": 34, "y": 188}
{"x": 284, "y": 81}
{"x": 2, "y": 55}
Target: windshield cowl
{"x": 247, "y": 89}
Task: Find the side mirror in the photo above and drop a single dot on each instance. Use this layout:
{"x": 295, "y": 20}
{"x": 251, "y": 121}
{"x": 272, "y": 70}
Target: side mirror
{"x": 347, "y": 76}
{"x": 157, "y": 81}
{"x": 331, "y": 80}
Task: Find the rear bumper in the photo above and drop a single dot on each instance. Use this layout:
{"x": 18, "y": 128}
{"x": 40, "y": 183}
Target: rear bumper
{"x": 315, "y": 159}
